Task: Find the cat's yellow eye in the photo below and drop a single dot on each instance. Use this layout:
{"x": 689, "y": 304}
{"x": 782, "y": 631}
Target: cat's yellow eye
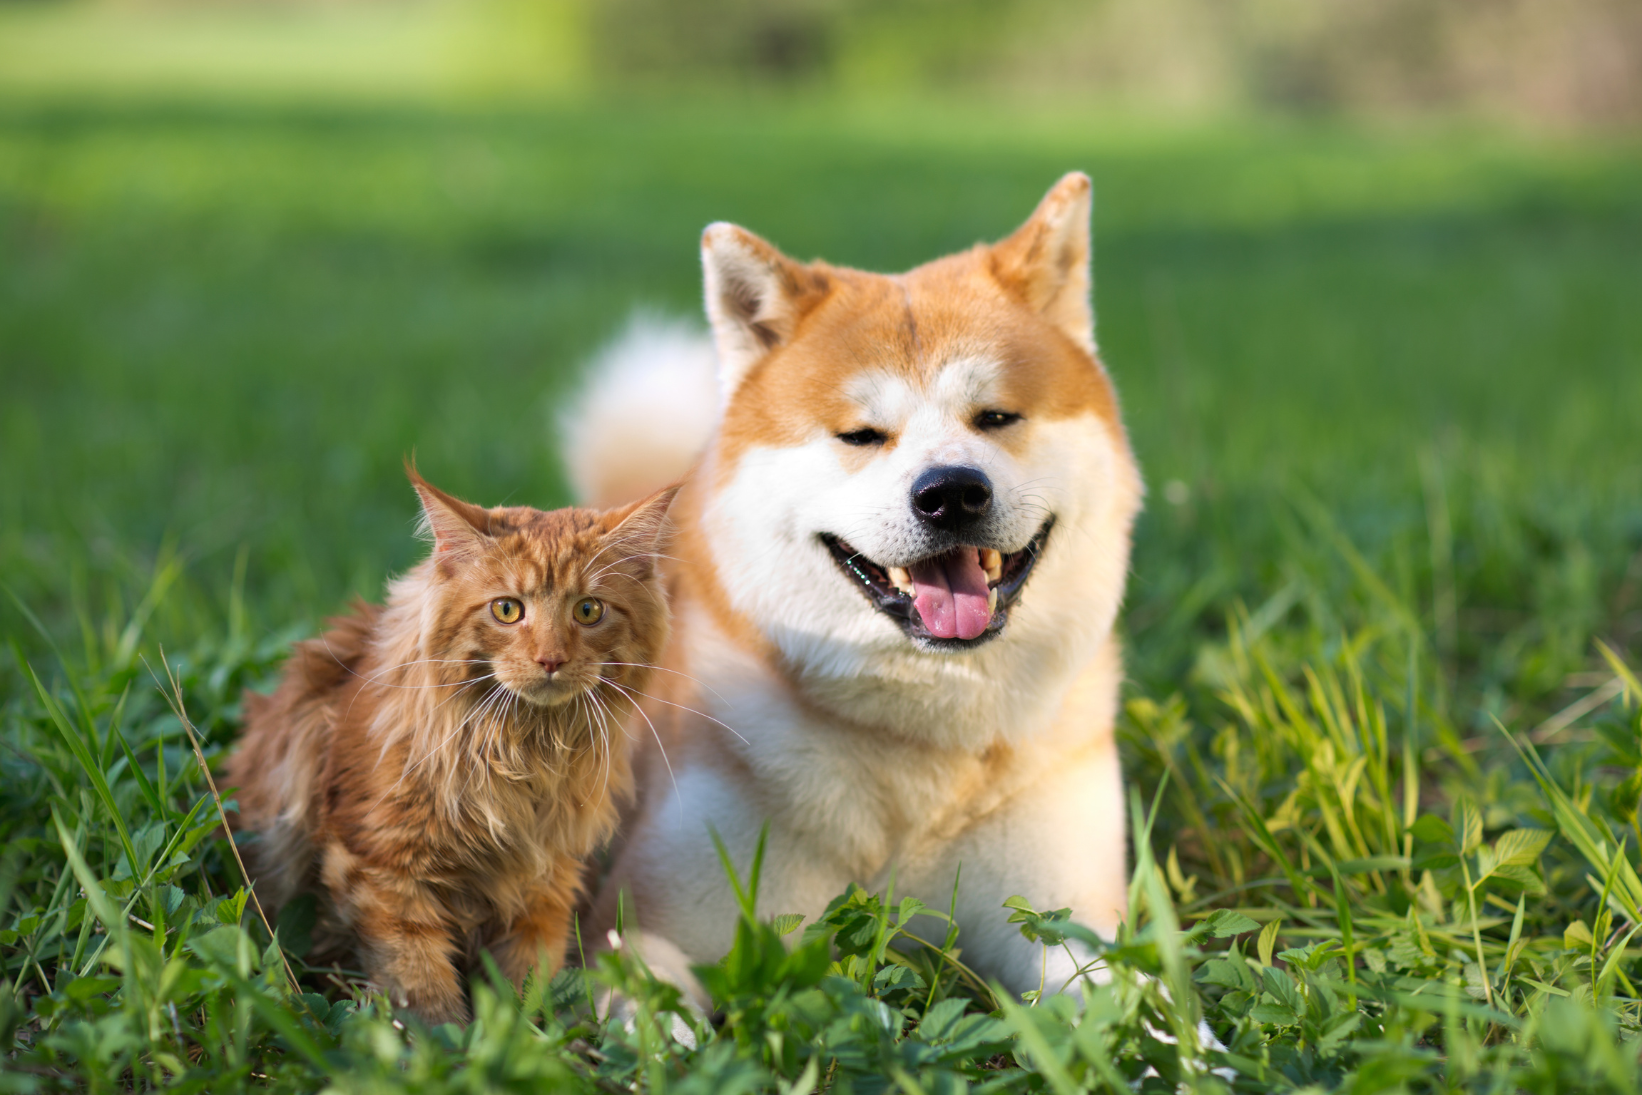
{"x": 506, "y": 610}
{"x": 590, "y": 611}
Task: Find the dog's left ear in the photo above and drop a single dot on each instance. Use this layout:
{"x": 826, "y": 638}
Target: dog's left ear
{"x": 1046, "y": 261}
{"x": 755, "y": 298}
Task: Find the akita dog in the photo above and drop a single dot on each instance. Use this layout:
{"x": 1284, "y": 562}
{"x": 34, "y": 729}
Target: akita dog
{"x": 900, "y": 551}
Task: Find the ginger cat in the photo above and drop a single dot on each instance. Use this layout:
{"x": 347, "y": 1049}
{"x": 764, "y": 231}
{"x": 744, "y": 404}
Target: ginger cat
{"x": 435, "y": 769}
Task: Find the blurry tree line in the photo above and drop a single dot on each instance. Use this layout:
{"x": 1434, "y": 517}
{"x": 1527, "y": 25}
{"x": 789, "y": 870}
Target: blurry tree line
{"x": 1550, "y": 62}
{"x": 1555, "y": 62}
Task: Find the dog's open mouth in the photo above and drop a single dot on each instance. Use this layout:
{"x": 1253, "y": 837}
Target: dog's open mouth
{"x": 957, "y": 599}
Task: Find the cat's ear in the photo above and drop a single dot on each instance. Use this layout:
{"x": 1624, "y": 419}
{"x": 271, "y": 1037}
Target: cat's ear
{"x": 641, "y": 531}
{"x": 456, "y": 527}
{"x": 755, "y": 298}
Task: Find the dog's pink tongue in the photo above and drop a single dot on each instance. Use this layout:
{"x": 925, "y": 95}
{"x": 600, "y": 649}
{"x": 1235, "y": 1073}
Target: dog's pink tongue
{"x": 949, "y": 593}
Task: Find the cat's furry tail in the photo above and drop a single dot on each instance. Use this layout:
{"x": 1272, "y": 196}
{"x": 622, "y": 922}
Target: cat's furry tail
{"x": 644, "y": 412}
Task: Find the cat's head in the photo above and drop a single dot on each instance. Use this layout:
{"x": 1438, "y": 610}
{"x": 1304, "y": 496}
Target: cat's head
{"x": 546, "y": 601}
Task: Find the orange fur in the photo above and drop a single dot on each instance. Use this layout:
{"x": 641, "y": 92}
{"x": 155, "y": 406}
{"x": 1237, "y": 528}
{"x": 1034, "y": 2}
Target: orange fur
{"x": 435, "y": 775}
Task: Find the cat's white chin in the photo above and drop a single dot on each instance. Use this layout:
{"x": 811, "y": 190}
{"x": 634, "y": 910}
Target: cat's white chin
{"x": 550, "y": 693}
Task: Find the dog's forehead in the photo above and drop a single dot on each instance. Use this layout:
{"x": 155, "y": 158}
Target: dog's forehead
{"x": 945, "y": 339}
{"x": 888, "y": 395}
{"x": 953, "y": 336}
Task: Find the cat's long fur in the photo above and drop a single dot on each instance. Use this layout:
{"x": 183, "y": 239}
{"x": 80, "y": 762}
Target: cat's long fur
{"x": 403, "y": 772}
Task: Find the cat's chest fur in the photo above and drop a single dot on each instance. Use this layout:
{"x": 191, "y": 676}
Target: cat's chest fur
{"x": 470, "y": 825}
{"x": 515, "y": 826}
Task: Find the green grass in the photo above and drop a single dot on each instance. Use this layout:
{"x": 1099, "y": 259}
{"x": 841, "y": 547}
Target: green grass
{"x": 1385, "y": 389}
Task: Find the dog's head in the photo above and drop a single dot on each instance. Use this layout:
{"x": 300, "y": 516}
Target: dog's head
{"x": 918, "y": 465}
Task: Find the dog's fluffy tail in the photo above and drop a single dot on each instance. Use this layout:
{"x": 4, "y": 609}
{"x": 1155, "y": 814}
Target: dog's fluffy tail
{"x": 643, "y": 414}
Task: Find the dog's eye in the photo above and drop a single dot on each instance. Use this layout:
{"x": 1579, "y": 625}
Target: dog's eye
{"x": 506, "y": 610}
{"x": 991, "y": 420}
{"x": 868, "y": 436}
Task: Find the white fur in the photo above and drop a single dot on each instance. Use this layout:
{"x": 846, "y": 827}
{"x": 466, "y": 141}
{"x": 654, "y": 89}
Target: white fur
{"x": 645, "y": 413}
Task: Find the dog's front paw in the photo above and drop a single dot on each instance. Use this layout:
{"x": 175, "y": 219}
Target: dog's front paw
{"x": 661, "y": 960}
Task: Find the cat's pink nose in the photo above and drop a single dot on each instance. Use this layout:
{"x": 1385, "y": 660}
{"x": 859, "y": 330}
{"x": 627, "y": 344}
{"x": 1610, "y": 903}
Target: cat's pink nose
{"x": 550, "y": 664}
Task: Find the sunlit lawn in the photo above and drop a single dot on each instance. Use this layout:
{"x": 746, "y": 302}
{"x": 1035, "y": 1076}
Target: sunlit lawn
{"x": 1385, "y": 388}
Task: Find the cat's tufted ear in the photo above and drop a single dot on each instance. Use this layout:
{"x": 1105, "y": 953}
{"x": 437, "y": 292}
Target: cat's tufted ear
{"x": 455, "y": 526}
{"x": 1046, "y": 262}
{"x": 640, "y": 532}
{"x": 755, "y": 298}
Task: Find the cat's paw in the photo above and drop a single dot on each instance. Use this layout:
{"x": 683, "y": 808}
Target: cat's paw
{"x": 431, "y": 1005}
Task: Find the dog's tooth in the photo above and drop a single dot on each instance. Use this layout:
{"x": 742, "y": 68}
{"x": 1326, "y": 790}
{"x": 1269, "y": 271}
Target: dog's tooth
{"x": 991, "y": 601}
{"x": 901, "y": 579}
{"x": 992, "y": 563}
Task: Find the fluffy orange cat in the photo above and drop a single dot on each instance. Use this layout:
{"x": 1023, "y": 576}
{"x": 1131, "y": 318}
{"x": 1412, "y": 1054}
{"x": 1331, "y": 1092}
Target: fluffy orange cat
{"x": 435, "y": 769}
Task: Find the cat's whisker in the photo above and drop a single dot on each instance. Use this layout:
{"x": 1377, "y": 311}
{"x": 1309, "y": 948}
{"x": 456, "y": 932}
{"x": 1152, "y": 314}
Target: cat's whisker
{"x": 459, "y": 688}
{"x": 627, "y": 559}
{"x": 603, "y": 743}
{"x": 611, "y": 703}
{"x": 609, "y": 720}
{"x": 595, "y": 723}
{"x": 591, "y": 559}
{"x": 580, "y": 715}
{"x": 640, "y": 582}
{"x": 420, "y": 687}
{"x": 389, "y": 740}
{"x": 604, "y": 736}
{"x": 462, "y": 688}
{"x": 402, "y": 665}
{"x": 497, "y": 742}
{"x": 475, "y": 718}
{"x": 683, "y": 707}
{"x": 654, "y": 732}
{"x": 587, "y": 715}
{"x": 326, "y": 640}
{"x": 409, "y": 768}
{"x": 615, "y": 544}
{"x": 664, "y": 669}
{"x": 603, "y": 711}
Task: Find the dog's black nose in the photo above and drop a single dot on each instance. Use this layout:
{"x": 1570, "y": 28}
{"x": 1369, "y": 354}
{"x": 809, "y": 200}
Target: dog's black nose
{"x": 952, "y": 497}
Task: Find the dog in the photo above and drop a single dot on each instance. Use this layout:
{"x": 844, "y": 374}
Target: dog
{"x": 901, "y": 546}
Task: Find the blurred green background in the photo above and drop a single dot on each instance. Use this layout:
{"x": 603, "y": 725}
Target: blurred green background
{"x": 1367, "y": 277}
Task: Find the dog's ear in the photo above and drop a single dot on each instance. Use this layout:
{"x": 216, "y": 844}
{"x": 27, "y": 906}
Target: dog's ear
{"x": 1046, "y": 261}
{"x": 755, "y": 298}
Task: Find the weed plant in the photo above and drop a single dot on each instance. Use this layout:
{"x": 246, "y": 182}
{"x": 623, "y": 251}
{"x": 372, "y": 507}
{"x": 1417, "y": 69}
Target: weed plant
{"x": 1384, "y": 734}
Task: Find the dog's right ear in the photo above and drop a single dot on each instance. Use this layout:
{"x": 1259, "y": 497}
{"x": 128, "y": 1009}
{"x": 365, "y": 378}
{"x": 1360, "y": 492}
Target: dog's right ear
{"x": 1046, "y": 261}
{"x": 755, "y": 298}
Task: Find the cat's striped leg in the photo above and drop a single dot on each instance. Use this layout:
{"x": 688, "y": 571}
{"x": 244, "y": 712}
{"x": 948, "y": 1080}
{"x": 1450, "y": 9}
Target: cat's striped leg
{"x": 539, "y": 935}
{"x": 405, "y": 940}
